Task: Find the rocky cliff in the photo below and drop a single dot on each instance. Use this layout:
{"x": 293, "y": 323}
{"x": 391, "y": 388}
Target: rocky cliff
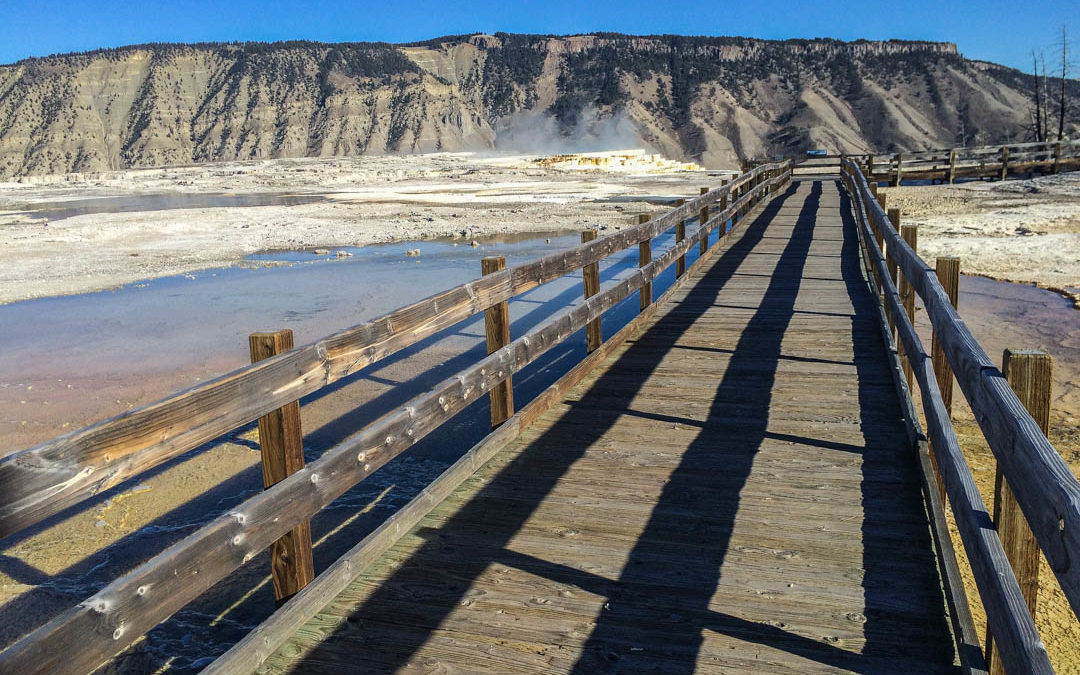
{"x": 713, "y": 100}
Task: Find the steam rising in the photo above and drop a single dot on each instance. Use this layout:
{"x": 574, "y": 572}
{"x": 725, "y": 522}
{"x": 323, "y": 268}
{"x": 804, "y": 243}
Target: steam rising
{"x": 534, "y": 132}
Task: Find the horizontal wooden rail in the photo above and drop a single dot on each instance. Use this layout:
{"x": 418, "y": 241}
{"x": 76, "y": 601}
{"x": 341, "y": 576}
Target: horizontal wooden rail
{"x": 1012, "y": 625}
{"x": 1045, "y": 488}
{"x": 248, "y": 654}
{"x": 41, "y": 481}
{"x": 975, "y": 162}
{"x": 1047, "y": 492}
{"x": 83, "y": 637}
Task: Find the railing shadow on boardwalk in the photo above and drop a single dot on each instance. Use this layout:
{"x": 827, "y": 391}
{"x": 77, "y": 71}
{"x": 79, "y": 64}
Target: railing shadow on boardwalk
{"x": 54, "y": 592}
{"x": 634, "y": 603}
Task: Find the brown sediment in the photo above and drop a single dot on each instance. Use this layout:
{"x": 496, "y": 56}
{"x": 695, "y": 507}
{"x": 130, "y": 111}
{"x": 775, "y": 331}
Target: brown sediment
{"x": 1001, "y": 315}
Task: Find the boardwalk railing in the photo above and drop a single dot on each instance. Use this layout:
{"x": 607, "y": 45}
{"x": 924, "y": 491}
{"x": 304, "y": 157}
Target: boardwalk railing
{"x": 997, "y": 161}
{"x": 1041, "y": 483}
{"x": 42, "y": 481}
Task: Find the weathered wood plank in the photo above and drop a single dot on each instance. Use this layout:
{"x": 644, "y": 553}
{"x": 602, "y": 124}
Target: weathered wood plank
{"x": 497, "y": 333}
{"x": 42, "y": 481}
{"x": 793, "y": 572}
{"x": 1019, "y": 641}
{"x": 131, "y": 605}
{"x": 281, "y": 445}
{"x": 1045, "y": 488}
{"x": 1030, "y": 374}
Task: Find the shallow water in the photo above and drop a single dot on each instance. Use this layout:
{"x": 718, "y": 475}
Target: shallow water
{"x": 74, "y": 359}
{"x": 127, "y": 347}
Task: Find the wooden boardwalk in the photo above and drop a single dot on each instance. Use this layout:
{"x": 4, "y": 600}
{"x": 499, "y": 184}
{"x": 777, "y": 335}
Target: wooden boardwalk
{"x": 732, "y": 490}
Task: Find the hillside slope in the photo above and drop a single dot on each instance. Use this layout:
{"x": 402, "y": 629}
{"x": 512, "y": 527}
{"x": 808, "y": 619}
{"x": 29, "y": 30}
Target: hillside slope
{"x": 714, "y": 100}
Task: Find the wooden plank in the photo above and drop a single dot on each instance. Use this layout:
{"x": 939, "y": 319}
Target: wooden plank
{"x": 644, "y": 258}
{"x": 281, "y": 445}
{"x": 253, "y": 649}
{"x": 497, "y": 332}
{"x": 1045, "y": 488}
{"x": 1022, "y": 649}
{"x": 703, "y": 217}
{"x": 680, "y": 234}
{"x": 894, "y": 218}
{"x": 1030, "y": 374}
{"x": 948, "y": 274}
{"x": 910, "y": 234}
{"x": 117, "y": 615}
{"x": 594, "y": 335}
{"x": 589, "y": 522}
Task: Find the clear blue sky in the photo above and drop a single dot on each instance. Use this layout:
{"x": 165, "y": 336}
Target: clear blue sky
{"x": 1004, "y": 32}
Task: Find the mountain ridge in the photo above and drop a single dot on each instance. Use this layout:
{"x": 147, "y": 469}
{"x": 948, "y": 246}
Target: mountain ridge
{"x": 714, "y": 100}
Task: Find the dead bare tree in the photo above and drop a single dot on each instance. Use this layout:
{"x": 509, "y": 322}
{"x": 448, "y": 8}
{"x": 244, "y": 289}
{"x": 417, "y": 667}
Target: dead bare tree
{"x": 1039, "y": 138}
{"x": 1046, "y": 99}
{"x": 1064, "y": 75}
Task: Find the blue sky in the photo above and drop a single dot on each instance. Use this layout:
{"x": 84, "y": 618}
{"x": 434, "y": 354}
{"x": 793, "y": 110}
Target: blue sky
{"x": 1004, "y": 32}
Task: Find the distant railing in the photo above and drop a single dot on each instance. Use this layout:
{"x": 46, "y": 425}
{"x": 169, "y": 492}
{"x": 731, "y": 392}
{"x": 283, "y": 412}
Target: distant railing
{"x": 42, "y": 481}
{"x": 1034, "y": 483}
{"x": 995, "y": 161}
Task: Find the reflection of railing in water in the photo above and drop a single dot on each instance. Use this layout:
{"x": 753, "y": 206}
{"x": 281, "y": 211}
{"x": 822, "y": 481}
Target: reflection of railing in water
{"x": 42, "y": 481}
{"x": 1034, "y": 483}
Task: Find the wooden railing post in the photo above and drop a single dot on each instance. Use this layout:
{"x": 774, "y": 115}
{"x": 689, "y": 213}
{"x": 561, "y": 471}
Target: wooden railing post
{"x": 952, "y": 166}
{"x": 1057, "y": 156}
{"x": 878, "y": 234}
{"x": 703, "y": 218}
{"x": 910, "y": 234}
{"x": 497, "y": 328}
{"x": 870, "y": 167}
{"x": 1030, "y": 374}
{"x": 894, "y": 218}
{"x": 644, "y": 258}
{"x": 594, "y": 336}
{"x": 281, "y": 444}
{"x": 899, "y": 168}
{"x": 723, "y": 207}
{"x": 1004, "y": 161}
{"x": 948, "y": 274}
{"x": 680, "y": 234}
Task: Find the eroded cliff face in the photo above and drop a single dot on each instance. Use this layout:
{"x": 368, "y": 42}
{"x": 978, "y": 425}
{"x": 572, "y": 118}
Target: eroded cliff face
{"x": 712, "y": 100}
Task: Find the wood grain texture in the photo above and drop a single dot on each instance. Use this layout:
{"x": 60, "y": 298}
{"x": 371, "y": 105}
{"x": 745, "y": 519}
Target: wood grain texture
{"x": 248, "y": 654}
{"x": 910, "y": 234}
{"x": 1022, "y": 650}
{"x": 644, "y": 258}
{"x": 125, "y": 609}
{"x": 41, "y": 481}
{"x": 948, "y": 274}
{"x": 497, "y": 332}
{"x": 590, "y": 274}
{"x": 701, "y": 501}
{"x": 1030, "y": 374}
{"x": 281, "y": 446}
{"x": 1045, "y": 488}
{"x": 680, "y": 234}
